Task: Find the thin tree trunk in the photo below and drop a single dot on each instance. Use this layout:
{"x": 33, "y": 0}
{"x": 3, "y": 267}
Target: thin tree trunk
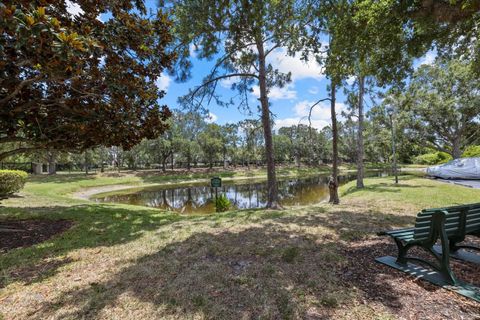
{"x": 360, "y": 146}
{"x": 225, "y": 160}
{"x": 86, "y": 162}
{"x": 272, "y": 197}
{"x": 333, "y": 183}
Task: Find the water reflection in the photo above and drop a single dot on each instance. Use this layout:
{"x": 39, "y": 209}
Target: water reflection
{"x": 199, "y": 199}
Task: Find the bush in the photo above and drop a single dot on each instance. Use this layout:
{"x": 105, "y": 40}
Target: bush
{"x": 222, "y": 203}
{"x": 11, "y": 181}
{"x": 432, "y": 158}
{"x": 471, "y": 151}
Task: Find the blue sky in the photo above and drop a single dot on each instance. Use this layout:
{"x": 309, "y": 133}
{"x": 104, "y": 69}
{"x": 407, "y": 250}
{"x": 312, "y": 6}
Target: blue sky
{"x": 290, "y": 104}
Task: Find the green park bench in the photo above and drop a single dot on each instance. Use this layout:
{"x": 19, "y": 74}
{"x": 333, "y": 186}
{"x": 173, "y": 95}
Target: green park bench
{"x": 448, "y": 226}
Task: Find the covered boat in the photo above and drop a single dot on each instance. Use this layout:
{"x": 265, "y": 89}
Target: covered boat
{"x": 464, "y": 168}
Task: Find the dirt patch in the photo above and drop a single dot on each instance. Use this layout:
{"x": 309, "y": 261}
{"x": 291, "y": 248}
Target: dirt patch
{"x": 386, "y": 289}
{"x": 25, "y": 233}
{"x": 87, "y": 193}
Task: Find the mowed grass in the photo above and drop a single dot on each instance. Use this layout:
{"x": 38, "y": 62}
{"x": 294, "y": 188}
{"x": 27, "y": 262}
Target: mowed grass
{"x": 128, "y": 262}
{"x": 412, "y": 192}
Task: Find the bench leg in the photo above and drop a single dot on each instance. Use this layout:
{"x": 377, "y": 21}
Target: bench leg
{"x": 402, "y": 251}
{"x": 443, "y": 261}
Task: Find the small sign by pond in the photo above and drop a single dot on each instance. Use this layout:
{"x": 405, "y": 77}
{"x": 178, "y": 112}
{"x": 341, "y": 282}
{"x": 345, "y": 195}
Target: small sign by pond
{"x": 216, "y": 182}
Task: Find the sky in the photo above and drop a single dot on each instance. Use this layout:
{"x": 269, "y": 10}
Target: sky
{"x": 290, "y": 104}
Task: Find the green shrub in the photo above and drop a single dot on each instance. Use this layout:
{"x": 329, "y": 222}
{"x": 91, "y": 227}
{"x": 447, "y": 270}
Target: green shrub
{"x": 432, "y": 158}
{"x": 222, "y": 203}
{"x": 11, "y": 181}
{"x": 471, "y": 151}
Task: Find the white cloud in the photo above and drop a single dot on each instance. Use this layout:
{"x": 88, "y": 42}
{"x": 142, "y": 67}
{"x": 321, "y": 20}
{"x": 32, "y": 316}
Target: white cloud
{"x": 350, "y": 80}
{"x": 227, "y": 82}
{"x": 300, "y": 69}
{"x": 429, "y": 58}
{"x": 74, "y": 8}
{"x": 211, "y": 118}
{"x": 320, "y": 114}
{"x": 163, "y": 82}
{"x": 288, "y": 122}
{"x": 191, "y": 48}
{"x": 277, "y": 93}
{"x": 313, "y": 90}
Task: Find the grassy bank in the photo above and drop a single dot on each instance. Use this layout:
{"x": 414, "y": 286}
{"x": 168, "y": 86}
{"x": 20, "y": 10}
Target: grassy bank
{"x": 121, "y": 261}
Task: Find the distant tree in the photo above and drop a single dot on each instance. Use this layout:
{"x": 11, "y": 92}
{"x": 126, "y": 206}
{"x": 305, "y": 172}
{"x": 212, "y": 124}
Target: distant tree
{"x": 73, "y": 82}
{"x": 229, "y": 142}
{"x": 252, "y": 140}
{"x": 283, "y": 148}
{"x": 443, "y": 101}
{"x": 211, "y": 142}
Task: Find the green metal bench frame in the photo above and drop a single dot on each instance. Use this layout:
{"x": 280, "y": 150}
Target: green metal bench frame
{"x": 450, "y": 225}
{"x": 406, "y": 239}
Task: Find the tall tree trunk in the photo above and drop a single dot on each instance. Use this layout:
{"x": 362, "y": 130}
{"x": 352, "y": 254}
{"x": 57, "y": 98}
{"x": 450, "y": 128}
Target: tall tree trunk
{"x": 456, "y": 148}
{"x": 52, "y": 165}
{"x": 360, "y": 146}
{"x": 272, "y": 197}
{"x": 333, "y": 183}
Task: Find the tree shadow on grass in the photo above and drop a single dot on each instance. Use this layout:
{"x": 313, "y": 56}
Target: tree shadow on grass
{"x": 261, "y": 272}
{"x": 94, "y": 226}
{"x": 350, "y": 225}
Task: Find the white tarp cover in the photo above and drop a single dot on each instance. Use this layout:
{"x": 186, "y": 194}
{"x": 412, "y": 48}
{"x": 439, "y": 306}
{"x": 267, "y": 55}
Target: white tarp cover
{"x": 464, "y": 168}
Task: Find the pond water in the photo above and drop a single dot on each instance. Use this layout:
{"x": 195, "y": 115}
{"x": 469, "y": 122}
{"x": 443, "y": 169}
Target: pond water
{"x": 242, "y": 194}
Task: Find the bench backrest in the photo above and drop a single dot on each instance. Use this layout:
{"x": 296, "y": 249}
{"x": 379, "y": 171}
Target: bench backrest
{"x": 472, "y": 215}
{"x": 459, "y": 221}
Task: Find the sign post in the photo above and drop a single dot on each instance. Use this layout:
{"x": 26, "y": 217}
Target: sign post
{"x": 216, "y": 182}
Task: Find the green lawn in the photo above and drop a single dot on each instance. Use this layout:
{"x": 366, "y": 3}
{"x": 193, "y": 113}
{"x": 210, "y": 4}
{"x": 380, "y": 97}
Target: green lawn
{"x": 121, "y": 261}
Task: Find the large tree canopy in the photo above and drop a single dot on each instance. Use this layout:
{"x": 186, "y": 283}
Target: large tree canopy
{"x": 73, "y": 81}
{"x": 443, "y": 102}
{"x": 452, "y": 27}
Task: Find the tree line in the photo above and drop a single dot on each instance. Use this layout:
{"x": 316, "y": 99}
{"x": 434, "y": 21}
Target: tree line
{"x": 74, "y": 82}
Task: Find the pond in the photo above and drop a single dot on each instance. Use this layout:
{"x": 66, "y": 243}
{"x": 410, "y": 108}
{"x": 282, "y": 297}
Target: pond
{"x": 244, "y": 194}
